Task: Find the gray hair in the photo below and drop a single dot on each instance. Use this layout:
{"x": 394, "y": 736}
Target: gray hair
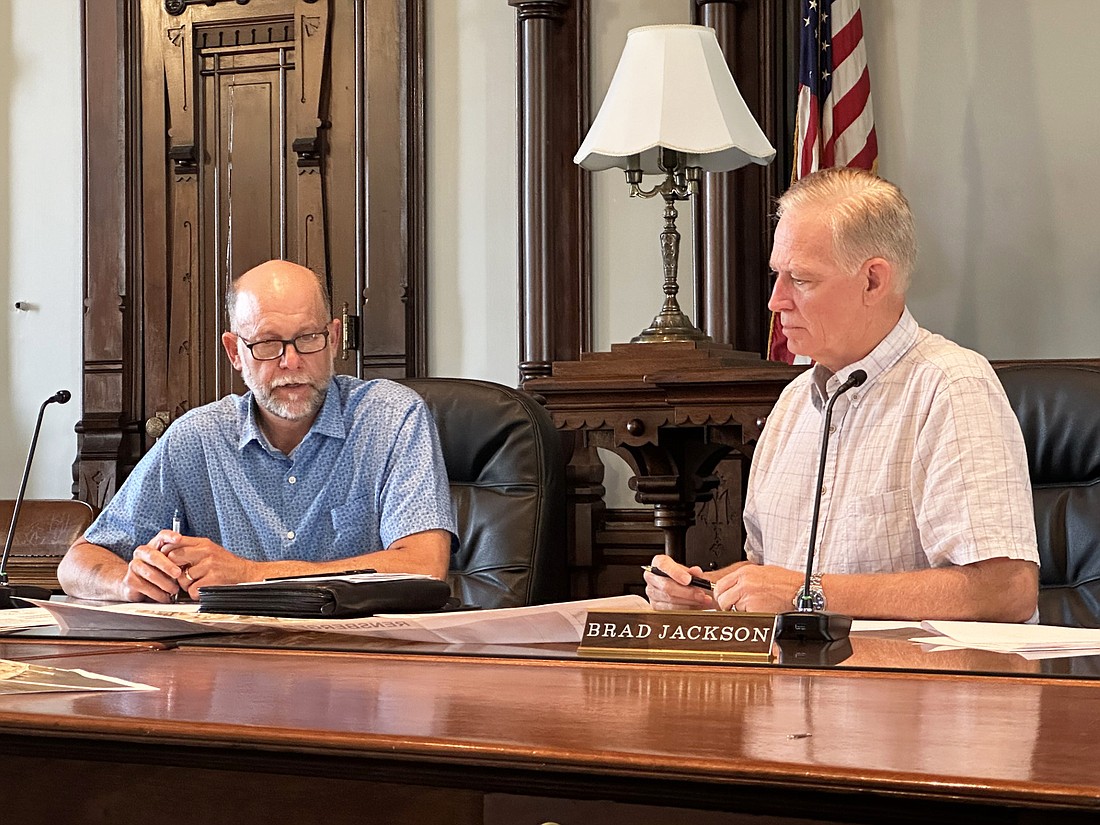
{"x": 869, "y": 217}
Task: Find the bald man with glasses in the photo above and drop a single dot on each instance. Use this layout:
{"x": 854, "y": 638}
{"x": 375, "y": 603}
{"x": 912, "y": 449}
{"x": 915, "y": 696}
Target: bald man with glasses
{"x": 308, "y": 472}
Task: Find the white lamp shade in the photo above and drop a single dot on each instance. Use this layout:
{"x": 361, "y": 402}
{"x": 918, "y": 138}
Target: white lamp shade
{"x": 672, "y": 88}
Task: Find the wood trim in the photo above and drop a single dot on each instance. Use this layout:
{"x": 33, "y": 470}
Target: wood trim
{"x": 733, "y": 225}
{"x": 554, "y": 255}
{"x": 417, "y": 178}
{"x": 107, "y": 441}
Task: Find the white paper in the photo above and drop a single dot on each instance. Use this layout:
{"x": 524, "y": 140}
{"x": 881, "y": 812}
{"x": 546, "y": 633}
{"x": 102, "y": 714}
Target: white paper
{"x": 11, "y": 620}
{"x": 1022, "y": 639}
{"x": 937, "y": 644}
{"x": 139, "y": 616}
{"x": 871, "y": 625}
{"x": 562, "y": 622}
{"x": 21, "y": 677}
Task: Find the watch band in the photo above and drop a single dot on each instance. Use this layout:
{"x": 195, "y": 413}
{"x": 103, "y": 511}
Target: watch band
{"x": 817, "y": 595}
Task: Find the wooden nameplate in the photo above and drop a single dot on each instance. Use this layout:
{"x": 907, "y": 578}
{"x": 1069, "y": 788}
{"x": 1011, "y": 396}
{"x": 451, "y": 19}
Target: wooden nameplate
{"x": 678, "y": 635}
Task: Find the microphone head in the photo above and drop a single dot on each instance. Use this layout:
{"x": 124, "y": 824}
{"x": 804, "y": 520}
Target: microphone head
{"x": 857, "y": 377}
{"x": 61, "y": 397}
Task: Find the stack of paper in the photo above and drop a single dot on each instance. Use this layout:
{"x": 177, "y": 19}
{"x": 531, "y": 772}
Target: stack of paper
{"x": 26, "y": 617}
{"x": 1032, "y": 641}
{"x": 546, "y": 623}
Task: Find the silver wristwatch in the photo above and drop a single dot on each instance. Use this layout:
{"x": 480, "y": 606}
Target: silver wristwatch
{"x": 817, "y": 596}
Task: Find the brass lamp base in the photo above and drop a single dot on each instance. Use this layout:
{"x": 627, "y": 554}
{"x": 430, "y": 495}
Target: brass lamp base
{"x": 670, "y": 325}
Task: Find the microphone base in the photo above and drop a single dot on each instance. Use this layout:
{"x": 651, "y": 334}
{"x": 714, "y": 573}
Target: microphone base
{"x": 804, "y": 653}
{"x": 811, "y": 626}
{"x": 10, "y": 594}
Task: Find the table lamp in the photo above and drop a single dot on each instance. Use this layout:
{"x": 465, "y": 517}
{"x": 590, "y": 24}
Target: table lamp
{"x": 672, "y": 109}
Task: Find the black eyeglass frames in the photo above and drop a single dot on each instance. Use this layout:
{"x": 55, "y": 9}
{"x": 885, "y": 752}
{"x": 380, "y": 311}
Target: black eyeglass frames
{"x": 272, "y": 349}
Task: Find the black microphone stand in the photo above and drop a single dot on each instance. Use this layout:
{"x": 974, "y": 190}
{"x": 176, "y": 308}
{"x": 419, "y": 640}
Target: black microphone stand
{"x": 804, "y": 624}
{"x": 10, "y": 592}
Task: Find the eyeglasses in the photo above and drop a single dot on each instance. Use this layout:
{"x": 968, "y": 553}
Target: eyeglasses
{"x": 273, "y": 349}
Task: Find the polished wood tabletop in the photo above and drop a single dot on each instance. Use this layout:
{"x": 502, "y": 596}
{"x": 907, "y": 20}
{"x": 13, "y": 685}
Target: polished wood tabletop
{"x": 844, "y": 745}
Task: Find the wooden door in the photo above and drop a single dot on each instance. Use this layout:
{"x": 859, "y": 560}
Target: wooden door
{"x": 247, "y": 130}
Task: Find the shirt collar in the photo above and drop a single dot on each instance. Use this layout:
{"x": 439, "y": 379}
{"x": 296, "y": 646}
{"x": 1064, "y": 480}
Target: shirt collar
{"x": 888, "y": 352}
{"x": 329, "y": 421}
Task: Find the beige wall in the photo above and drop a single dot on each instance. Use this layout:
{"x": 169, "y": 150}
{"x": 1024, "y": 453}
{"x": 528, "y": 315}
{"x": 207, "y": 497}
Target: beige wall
{"x": 987, "y": 119}
{"x": 984, "y": 118}
{"x": 40, "y": 239}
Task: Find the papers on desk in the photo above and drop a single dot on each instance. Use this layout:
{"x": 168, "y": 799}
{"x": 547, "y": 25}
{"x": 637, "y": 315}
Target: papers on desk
{"x": 1032, "y": 641}
{"x": 25, "y": 617}
{"x": 21, "y": 677}
{"x": 537, "y": 624}
{"x": 872, "y": 625}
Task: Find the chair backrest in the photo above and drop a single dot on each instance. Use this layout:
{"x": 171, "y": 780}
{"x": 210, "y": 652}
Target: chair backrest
{"x": 507, "y": 477}
{"x": 45, "y": 530}
{"x": 1058, "y": 406}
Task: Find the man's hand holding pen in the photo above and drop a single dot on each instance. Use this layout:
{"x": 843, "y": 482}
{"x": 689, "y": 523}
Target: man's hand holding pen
{"x": 153, "y": 575}
{"x": 672, "y": 586}
{"x": 203, "y": 562}
{"x": 741, "y": 586}
{"x": 171, "y": 566}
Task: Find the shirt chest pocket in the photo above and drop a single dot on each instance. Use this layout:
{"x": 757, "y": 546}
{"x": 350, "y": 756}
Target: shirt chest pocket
{"x": 355, "y": 527}
{"x": 882, "y": 534}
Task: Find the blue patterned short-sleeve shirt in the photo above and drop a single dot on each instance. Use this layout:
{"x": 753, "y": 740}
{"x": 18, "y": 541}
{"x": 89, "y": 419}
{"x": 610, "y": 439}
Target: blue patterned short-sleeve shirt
{"x": 368, "y": 473}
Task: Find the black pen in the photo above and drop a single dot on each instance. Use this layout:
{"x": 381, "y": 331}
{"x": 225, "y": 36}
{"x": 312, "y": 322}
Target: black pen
{"x": 334, "y": 575}
{"x": 696, "y": 581}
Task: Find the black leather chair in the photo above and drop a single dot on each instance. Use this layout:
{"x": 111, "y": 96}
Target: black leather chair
{"x": 507, "y": 477}
{"x": 1059, "y": 411}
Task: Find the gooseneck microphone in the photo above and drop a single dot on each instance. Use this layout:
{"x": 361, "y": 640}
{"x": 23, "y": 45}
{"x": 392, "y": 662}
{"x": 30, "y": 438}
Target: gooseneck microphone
{"x": 805, "y": 623}
{"x": 8, "y": 592}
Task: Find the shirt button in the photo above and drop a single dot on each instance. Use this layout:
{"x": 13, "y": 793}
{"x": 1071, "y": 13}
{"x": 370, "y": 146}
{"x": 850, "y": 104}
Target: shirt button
{"x": 292, "y": 480}
{"x": 823, "y": 489}
{"x": 290, "y": 534}
{"x": 832, "y": 429}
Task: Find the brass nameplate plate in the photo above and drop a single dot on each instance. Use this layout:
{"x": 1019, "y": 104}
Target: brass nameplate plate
{"x": 696, "y": 634}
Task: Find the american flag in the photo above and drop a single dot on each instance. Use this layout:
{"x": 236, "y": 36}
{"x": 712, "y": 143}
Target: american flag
{"x": 835, "y": 124}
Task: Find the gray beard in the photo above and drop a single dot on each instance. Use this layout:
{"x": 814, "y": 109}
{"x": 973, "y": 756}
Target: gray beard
{"x": 291, "y": 411}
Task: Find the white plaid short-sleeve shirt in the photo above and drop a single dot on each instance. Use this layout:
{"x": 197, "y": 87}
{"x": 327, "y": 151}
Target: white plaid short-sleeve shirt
{"x": 926, "y": 465}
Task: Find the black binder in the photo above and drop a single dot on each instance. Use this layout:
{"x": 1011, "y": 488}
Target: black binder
{"x": 334, "y": 596}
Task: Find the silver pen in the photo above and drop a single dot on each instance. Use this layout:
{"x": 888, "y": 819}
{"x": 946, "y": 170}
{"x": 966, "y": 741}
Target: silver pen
{"x": 176, "y": 525}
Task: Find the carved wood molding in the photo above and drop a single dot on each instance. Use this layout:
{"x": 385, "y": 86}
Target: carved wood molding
{"x": 177, "y": 7}
{"x": 311, "y": 58}
{"x": 536, "y": 9}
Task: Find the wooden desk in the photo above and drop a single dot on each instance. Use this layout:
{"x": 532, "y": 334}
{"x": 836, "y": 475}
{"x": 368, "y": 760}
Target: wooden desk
{"x": 274, "y": 736}
{"x": 27, "y": 650}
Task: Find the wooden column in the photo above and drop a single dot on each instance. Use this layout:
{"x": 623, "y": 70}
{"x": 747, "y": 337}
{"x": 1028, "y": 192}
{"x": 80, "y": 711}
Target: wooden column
{"x": 106, "y": 435}
{"x": 554, "y": 257}
{"x": 733, "y": 227}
